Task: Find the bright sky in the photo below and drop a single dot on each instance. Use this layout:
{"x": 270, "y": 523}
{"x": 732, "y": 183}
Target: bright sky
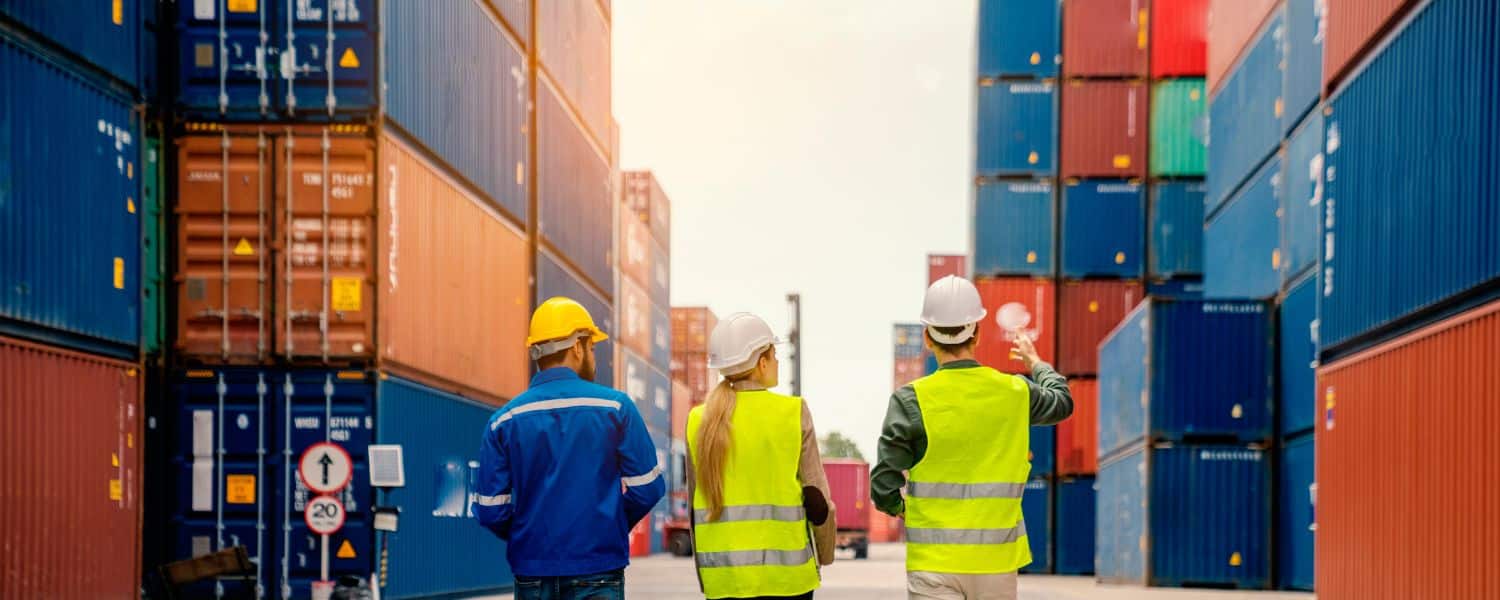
{"x": 819, "y": 146}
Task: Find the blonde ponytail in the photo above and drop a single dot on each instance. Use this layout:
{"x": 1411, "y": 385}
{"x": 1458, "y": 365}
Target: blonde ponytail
{"x": 714, "y": 439}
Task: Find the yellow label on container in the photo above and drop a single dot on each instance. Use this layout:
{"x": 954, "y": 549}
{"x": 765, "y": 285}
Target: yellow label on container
{"x": 1119, "y": 258}
{"x": 116, "y": 491}
{"x": 117, "y": 12}
{"x": 520, "y": 173}
{"x": 114, "y": 459}
{"x": 130, "y": 170}
{"x": 1276, "y": 258}
{"x": 1030, "y": 257}
{"x": 1235, "y": 560}
{"x": 1036, "y": 57}
{"x": 1328, "y": 399}
{"x": 349, "y": 60}
{"x": 1031, "y": 158}
{"x": 241, "y": 6}
{"x": 1141, "y": 31}
{"x": 1093, "y": 306}
{"x": 244, "y": 248}
{"x": 346, "y": 550}
{"x": 346, "y": 292}
{"x": 1195, "y": 95}
{"x": 1122, "y": 161}
{"x": 239, "y": 489}
{"x": 130, "y": 205}
{"x": 119, "y": 273}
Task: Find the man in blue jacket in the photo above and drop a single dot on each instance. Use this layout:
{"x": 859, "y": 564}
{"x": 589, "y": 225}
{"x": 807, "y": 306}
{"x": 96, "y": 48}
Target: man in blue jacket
{"x": 567, "y": 468}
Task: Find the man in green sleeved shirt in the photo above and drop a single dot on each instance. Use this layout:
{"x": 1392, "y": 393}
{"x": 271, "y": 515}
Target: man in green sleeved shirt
{"x": 981, "y": 417}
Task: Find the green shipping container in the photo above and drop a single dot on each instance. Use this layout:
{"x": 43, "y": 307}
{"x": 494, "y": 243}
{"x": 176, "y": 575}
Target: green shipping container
{"x": 153, "y": 316}
{"x": 1179, "y": 112}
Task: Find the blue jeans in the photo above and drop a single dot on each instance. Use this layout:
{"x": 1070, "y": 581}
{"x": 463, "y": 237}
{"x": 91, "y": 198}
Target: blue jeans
{"x": 609, "y": 585}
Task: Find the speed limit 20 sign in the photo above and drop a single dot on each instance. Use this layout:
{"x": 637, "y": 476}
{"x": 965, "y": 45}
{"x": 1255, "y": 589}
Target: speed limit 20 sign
{"x": 324, "y": 515}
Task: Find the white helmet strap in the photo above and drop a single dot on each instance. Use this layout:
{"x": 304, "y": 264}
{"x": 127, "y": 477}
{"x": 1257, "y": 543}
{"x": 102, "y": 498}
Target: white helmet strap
{"x": 554, "y": 346}
{"x": 962, "y": 336}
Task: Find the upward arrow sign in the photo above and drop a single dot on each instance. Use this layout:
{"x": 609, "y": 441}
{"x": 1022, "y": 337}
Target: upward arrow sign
{"x": 325, "y": 460}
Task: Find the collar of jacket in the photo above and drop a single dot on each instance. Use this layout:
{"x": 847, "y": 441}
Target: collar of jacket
{"x": 553, "y": 374}
{"x": 962, "y": 363}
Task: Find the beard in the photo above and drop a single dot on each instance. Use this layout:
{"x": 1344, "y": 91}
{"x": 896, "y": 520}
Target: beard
{"x": 586, "y": 370}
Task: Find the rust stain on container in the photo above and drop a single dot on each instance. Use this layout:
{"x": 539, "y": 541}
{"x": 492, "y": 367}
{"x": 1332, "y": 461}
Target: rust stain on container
{"x": 1407, "y": 459}
{"x": 1105, "y": 131}
{"x": 1078, "y": 436}
{"x": 1231, "y": 26}
{"x": 1032, "y": 300}
{"x": 1105, "y": 38}
{"x": 70, "y": 526}
{"x": 1087, "y": 312}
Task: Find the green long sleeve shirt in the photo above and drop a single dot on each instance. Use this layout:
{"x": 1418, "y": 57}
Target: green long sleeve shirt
{"x": 903, "y": 438}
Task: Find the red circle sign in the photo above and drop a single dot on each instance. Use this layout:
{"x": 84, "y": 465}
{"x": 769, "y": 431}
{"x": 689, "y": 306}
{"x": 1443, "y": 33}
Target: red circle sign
{"x": 324, "y": 515}
{"x": 325, "y": 468}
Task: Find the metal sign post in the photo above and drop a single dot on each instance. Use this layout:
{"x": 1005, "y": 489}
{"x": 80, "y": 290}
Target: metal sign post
{"x": 325, "y": 468}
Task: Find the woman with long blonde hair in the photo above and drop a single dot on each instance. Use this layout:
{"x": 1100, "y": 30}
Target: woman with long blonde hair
{"x": 762, "y": 519}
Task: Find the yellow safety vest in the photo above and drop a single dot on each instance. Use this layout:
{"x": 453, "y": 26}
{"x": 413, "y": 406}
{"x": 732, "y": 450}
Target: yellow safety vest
{"x": 760, "y": 544}
{"x": 963, "y": 501}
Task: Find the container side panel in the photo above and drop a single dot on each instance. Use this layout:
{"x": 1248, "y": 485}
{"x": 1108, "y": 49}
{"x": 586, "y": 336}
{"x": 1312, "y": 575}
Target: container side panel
{"x": 1297, "y": 349}
{"x": 1106, "y": 132}
{"x": 1302, "y": 197}
{"x": 1245, "y": 116}
{"x": 1020, "y": 38}
{"x": 1179, "y": 125}
{"x": 1105, "y": 38}
{"x": 1103, "y": 229}
{"x": 1175, "y": 235}
{"x": 1074, "y": 526}
{"x": 1013, "y": 228}
{"x": 574, "y": 193}
{"x": 1294, "y": 516}
{"x": 1120, "y": 537}
{"x": 1017, "y": 129}
{"x": 1241, "y": 244}
{"x": 1087, "y": 311}
{"x": 1210, "y": 516}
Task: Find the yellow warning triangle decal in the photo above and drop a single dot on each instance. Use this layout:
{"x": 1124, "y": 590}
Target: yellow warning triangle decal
{"x": 346, "y": 550}
{"x": 244, "y": 248}
{"x": 349, "y": 60}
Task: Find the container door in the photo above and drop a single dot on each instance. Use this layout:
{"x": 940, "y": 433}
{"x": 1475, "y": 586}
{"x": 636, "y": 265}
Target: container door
{"x": 327, "y": 57}
{"x": 153, "y": 267}
{"x": 225, "y": 58}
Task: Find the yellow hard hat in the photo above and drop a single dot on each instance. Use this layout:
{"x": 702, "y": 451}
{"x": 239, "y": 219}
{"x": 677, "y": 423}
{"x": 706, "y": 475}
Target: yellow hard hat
{"x": 560, "y": 318}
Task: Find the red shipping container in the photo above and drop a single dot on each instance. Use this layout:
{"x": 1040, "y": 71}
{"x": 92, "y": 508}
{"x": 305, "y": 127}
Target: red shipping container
{"x": 1033, "y": 300}
{"x": 1104, "y": 132}
{"x": 849, "y": 480}
{"x": 1231, "y": 26}
{"x": 1407, "y": 463}
{"x": 1354, "y": 27}
{"x": 635, "y": 317}
{"x": 1179, "y": 38}
{"x": 70, "y": 474}
{"x": 943, "y": 265}
{"x": 691, "y": 368}
{"x": 909, "y": 370}
{"x": 635, "y": 251}
{"x": 1105, "y": 38}
{"x": 1078, "y": 436}
{"x": 884, "y": 529}
{"x": 1086, "y": 312}
{"x": 640, "y": 538}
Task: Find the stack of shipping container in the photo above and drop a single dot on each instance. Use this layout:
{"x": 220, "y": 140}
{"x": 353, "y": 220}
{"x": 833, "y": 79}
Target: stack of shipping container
{"x": 645, "y": 329}
{"x": 691, "y": 382}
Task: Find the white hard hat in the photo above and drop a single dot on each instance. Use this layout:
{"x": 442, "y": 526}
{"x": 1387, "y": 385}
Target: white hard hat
{"x": 736, "y": 343}
{"x": 952, "y": 302}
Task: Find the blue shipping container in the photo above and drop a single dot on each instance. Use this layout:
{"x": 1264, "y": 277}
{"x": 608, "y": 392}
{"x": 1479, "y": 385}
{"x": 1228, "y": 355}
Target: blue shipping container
{"x": 1036, "y": 511}
{"x": 553, "y": 279}
{"x": 1013, "y": 228}
{"x": 1241, "y": 243}
{"x": 573, "y": 50}
{"x": 908, "y": 340}
{"x": 1020, "y": 38}
{"x": 1302, "y": 67}
{"x": 661, "y": 339}
{"x": 1102, "y": 228}
{"x": 932, "y": 363}
{"x": 1302, "y": 197}
{"x": 1176, "y": 231}
{"x": 1180, "y": 370}
{"x": 1196, "y": 515}
{"x": 106, "y": 34}
{"x": 1298, "y": 344}
{"x": 70, "y": 229}
{"x": 1073, "y": 527}
{"x": 1185, "y": 289}
{"x": 1294, "y": 516}
{"x": 649, "y": 387}
{"x": 464, "y": 99}
{"x": 573, "y": 192}
{"x": 1244, "y": 116}
{"x": 312, "y": 61}
{"x": 1412, "y": 140}
{"x": 661, "y": 275}
{"x": 1043, "y": 450}
{"x": 1017, "y": 129}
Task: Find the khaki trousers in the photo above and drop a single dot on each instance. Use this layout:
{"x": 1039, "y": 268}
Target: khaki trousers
{"x": 924, "y": 585}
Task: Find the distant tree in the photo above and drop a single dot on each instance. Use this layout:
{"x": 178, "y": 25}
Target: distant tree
{"x": 835, "y": 445}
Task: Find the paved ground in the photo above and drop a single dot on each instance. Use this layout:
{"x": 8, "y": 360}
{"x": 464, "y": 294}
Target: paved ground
{"x": 883, "y": 577}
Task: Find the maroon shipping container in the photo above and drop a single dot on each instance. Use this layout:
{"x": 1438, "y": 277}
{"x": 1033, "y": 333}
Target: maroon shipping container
{"x": 70, "y": 474}
{"x": 1231, "y": 26}
{"x": 1078, "y": 436}
{"x": 1086, "y": 312}
{"x": 691, "y": 369}
{"x": 1179, "y": 38}
{"x": 690, "y": 328}
{"x": 943, "y": 265}
{"x": 1034, "y": 300}
{"x": 1104, "y": 131}
{"x": 849, "y": 480}
{"x": 1353, "y": 28}
{"x": 1105, "y": 38}
{"x": 1408, "y": 463}
{"x": 908, "y": 370}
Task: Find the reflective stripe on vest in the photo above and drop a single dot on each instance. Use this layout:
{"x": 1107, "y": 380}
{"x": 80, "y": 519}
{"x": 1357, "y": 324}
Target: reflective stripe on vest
{"x": 963, "y": 503}
{"x": 759, "y": 546}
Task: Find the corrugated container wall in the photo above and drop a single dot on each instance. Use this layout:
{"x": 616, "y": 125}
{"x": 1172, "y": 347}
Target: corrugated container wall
{"x": 1175, "y": 235}
{"x": 1017, "y": 129}
{"x": 1074, "y": 526}
{"x": 70, "y": 448}
{"x": 1245, "y": 116}
{"x": 1302, "y": 65}
{"x": 1449, "y": 238}
{"x": 635, "y": 317}
{"x": 1231, "y": 26}
{"x": 1179, "y": 124}
{"x": 1078, "y": 436}
{"x": 1302, "y": 191}
{"x": 1101, "y": 228}
{"x": 1297, "y": 493}
{"x": 646, "y": 201}
{"x": 1106, "y": 133}
{"x": 465, "y": 99}
{"x": 1241, "y": 243}
{"x": 1034, "y": 301}
{"x": 1297, "y": 349}
{"x": 1206, "y": 511}
{"x": 1105, "y": 38}
{"x": 943, "y": 265}
{"x": 1438, "y": 462}
{"x": 651, "y": 390}
{"x": 454, "y": 282}
{"x": 70, "y": 227}
{"x": 635, "y": 250}
{"x": 574, "y": 192}
{"x": 1043, "y": 450}
{"x": 553, "y": 279}
{"x": 516, "y": 14}
{"x": 1013, "y": 228}
{"x": 849, "y": 480}
{"x": 1179, "y": 38}
{"x": 573, "y": 48}
{"x": 1020, "y": 38}
{"x": 1036, "y": 510}
{"x": 1086, "y": 312}
{"x": 661, "y": 276}
{"x": 154, "y": 268}
{"x": 1180, "y": 370}
{"x": 107, "y": 35}
{"x": 1354, "y": 28}
{"x": 661, "y": 338}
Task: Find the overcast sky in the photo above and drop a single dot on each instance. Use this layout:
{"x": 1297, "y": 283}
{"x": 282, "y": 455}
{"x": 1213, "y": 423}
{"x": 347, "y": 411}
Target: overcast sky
{"x": 821, "y": 146}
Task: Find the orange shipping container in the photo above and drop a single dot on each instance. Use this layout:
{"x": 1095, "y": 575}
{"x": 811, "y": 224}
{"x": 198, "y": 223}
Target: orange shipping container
{"x": 1033, "y": 303}
{"x": 1231, "y": 25}
{"x": 1078, "y": 436}
{"x": 884, "y": 529}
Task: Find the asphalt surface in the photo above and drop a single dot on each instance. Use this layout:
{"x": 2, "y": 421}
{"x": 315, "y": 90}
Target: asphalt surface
{"x": 883, "y": 577}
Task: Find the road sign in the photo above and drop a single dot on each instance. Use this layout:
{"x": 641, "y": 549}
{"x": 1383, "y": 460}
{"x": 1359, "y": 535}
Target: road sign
{"x": 325, "y": 468}
{"x": 324, "y": 515}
